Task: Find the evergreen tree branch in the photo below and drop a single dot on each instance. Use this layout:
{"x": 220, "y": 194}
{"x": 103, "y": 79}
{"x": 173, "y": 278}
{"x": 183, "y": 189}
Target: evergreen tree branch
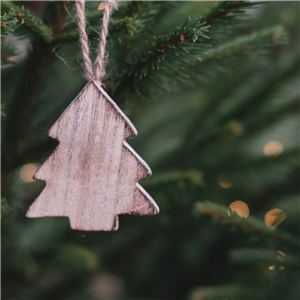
{"x": 117, "y": 30}
{"x": 6, "y": 25}
{"x": 173, "y": 177}
{"x": 257, "y": 125}
{"x": 69, "y": 30}
{"x": 226, "y": 215}
{"x": 243, "y": 104}
{"x": 180, "y": 46}
{"x": 242, "y": 45}
{"x": 263, "y": 162}
{"x": 262, "y": 257}
{"x": 19, "y": 111}
{"x": 23, "y": 22}
{"x": 6, "y": 6}
{"x": 216, "y": 56}
{"x": 132, "y": 8}
{"x": 223, "y": 9}
{"x": 152, "y": 56}
{"x": 123, "y": 24}
{"x": 145, "y": 17}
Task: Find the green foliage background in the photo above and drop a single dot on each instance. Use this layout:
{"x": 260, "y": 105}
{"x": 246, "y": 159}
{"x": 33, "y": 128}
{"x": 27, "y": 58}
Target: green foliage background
{"x": 206, "y": 94}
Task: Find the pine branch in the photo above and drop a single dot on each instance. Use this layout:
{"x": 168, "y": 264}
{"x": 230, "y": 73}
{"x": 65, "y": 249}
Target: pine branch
{"x": 249, "y": 128}
{"x": 18, "y": 111}
{"x": 242, "y": 104}
{"x": 258, "y": 96}
{"x": 240, "y": 170}
{"x": 128, "y": 9}
{"x": 135, "y": 6}
{"x": 172, "y": 177}
{"x": 242, "y": 45}
{"x": 262, "y": 257}
{"x": 226, "y": 215}
{"x": 223, "y": 9}
{"x": 132, "y": 8}
{"x": 124, "y": 24}
{"x": 6, "y": 25}
{"x": 257, "y": 125}
{"x": 170, "y": 54}
{"x": 117, "y": 31}
{"x": 38, "y": 62}
{"x": 263, "y": 162}
{"x": 145, "y": 17}
{"x": 23, "y": 22}
{"x": 150, "y": 57}
{"x": 6, "y": 6}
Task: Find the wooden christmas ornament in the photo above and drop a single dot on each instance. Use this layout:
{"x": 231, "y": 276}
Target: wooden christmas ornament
{"x": 92, "y": 176}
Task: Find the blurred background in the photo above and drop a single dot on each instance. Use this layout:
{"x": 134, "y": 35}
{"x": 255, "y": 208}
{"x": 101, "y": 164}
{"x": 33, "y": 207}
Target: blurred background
{"x": 218, "y": 125}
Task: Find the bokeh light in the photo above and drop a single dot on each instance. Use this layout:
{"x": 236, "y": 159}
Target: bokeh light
{"x": 276, "y": 35}
{"x": 107, "y": 287}
{"x": 101, "y": 6}
{"x": 280, "y": 257}
{"x": 273, "y": 148}
{"x": 235, "y": 127}
{"x": 276, "y": 268}
{"x": 27, "y": 172}
{"x": 241, "y": 208}
{"x": 225, "y": 185}
{"x": 274, "y": 217}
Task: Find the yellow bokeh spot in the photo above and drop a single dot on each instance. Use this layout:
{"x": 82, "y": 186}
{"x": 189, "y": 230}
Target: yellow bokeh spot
{"x": 235, "y": 127}
{"x": 275, "y": 268}
{"x": 280, "y": 255}
{"x": 280, "y": 258}
{"x": 275, "y": 35}
{"x": 225, "y": 185}
{"x": 27, "y": 172}
{"x": 274, "y": 217}
{"x": 101, "y": 6}
{"x": 241, "y": 208}
{"x": 273, "y": 148}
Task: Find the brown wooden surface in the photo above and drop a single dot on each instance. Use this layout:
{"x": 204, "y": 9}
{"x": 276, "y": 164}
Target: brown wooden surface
{"x": 92, "y": 176}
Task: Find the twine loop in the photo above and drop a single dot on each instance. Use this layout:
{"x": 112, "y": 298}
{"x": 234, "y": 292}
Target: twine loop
{"x": 96, "y": 72}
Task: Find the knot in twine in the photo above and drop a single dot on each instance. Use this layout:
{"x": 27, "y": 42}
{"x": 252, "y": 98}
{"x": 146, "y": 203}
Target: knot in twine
{"x": 97, "y": 72}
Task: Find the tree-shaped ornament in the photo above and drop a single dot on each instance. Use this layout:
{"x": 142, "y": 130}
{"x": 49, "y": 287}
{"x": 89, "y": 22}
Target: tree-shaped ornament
{"x": 93, "y": 174}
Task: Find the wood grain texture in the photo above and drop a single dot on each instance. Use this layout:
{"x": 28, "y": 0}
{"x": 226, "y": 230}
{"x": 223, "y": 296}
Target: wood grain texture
{"x": 92, "y": 176}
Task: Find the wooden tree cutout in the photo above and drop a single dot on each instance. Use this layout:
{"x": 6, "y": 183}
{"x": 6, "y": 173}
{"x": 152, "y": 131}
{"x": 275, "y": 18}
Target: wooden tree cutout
{"x": 92, "y": 176}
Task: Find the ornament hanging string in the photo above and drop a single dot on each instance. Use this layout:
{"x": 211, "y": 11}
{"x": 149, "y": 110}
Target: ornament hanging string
{"x": 97, "y": 72}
